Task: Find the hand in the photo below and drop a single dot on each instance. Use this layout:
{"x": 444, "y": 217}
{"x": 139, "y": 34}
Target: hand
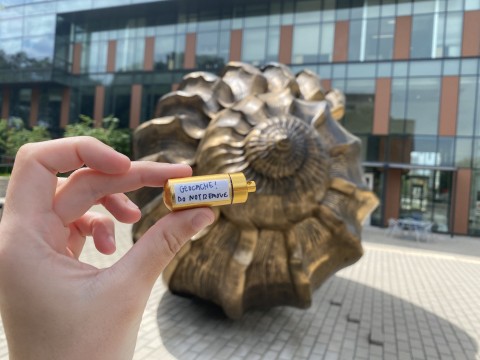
{"x": 52, "y": 305}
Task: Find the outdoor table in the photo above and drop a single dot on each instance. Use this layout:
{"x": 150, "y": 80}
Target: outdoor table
{"x": 411, "y": 227}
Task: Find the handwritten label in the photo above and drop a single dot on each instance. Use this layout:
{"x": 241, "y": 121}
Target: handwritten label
{"x": 202, "y": 191}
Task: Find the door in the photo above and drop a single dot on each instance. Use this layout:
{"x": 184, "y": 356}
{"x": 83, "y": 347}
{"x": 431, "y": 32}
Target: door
{"x": 426, "y": 196}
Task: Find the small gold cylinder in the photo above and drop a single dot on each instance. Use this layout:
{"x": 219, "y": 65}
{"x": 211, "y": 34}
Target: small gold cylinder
{"x": 206, "y": 191}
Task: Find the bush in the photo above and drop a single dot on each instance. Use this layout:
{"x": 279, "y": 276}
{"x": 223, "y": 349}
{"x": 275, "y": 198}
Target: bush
{"x": 119, "y": 139}
{"x": 14, "y": 135}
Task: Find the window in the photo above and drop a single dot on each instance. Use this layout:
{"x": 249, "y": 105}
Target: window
{"x": 360, "y": 105}
{"x": 306, "y": 39}
{"x": 207, "y": 51}
{"x": 423, "y": 106}
{"x": 355, "y": 40}
{"x": 398, "y": 106}
{"x": 164, "y": 52}
{"x": 453, "y": 35}
{"x": 327, "y": 33}
{"x": 273, "y": 43}
{"x": 422, "y": 35}
{"x": 446, "y": 151}
{"x": 39, "y": 25}
{"x": 385, "y": 39}
{"x": 307, "y": 11}
{"x": 463, "y": 152}
{"x": 39, "y": 51}
{"x": 130, "y": 52}
{"x": 466, "y": 105}
{"x": 96, "y": 53}
{"x": 254, "y": 45}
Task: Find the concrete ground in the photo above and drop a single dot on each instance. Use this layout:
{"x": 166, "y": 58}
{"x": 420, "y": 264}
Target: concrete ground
{"x": 402, "y": 300}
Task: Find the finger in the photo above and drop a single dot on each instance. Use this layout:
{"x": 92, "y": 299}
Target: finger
{"x": 87, "y": 187}
{"x": 157, "y": 247}
{"x": 33, "y": 182}
{"x": 122, "y": 208}
{"x": 101, "y": 227}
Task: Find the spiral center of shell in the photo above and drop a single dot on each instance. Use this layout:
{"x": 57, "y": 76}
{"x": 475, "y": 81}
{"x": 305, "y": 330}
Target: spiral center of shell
{"x": 277, "y": 148}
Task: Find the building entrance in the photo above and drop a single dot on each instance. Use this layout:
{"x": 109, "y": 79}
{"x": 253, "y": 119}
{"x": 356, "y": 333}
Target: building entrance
{"x": 426, "y": 195}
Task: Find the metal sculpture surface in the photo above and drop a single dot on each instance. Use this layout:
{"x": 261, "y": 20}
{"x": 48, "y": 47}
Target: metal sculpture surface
{"x": 304, "y": 222}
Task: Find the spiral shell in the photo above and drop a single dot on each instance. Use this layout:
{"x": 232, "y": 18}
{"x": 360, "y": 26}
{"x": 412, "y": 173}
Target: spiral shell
{"x": 303, "y": 223}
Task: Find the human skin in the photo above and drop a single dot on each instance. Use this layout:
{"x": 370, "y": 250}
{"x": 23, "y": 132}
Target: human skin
{"x": 52, "y": 305}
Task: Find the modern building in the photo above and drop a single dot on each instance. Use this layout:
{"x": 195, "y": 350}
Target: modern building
{"x": 410, "y": 70}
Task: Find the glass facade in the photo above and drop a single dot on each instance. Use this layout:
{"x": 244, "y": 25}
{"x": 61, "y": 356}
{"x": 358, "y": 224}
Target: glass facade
{"x": 418, "y": 46}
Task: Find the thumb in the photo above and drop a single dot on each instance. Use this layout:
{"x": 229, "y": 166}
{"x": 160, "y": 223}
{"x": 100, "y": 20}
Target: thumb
{"x": 157, "y": 247}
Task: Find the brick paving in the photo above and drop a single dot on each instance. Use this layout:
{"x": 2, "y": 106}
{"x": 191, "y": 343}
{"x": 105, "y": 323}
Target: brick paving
{"x": 402, "y": 300}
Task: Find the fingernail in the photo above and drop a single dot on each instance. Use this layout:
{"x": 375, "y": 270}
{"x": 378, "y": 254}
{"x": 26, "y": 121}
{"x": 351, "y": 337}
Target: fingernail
{"x": 202, "y": 220}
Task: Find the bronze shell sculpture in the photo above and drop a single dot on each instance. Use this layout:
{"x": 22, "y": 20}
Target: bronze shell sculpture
{"x": 305, "y": 220}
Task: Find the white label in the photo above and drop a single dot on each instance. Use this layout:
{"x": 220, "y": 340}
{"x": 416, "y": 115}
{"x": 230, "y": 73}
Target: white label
{"x": 202, "y": 191}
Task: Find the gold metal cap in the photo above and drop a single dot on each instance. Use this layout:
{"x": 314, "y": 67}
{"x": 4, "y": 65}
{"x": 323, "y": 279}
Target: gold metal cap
{"x": 241, "y": 187}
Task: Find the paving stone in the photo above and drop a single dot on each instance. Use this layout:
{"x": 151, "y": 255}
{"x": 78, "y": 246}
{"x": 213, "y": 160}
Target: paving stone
{"x": 417, "y": 300}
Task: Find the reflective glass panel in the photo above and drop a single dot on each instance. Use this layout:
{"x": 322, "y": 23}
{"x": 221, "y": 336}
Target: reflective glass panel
{"x": 327, "y": 32}
{"x": 426, "y": 68}
{"x": 164, "y": 52}
{"x": 385, "y": 39}
{"x": 328, "y": 10}
{"x": 307, "y": 11}
{"x": 371, "y": 40}
{"x": 424, "y": 151}
{"x": 446, "y": 151}
{"x": 11, "y": 28}
{"x": 39, "y": 50}
{"x": 359, "y": 109}
{"x": 373, "y": 8}
{"x": 453, "y": 5}
{"x": 469, "y": 66}
{"x": 474, "y": 218}
{"x": 388, "y": 8}
{"x": 423, "y": 106}
{"x": 306, "y": 39}
{"x": 472, "y": 4}
{"x": 453, "y": 35}
{"x": 463, "y": 152}
{"x": 424, "y": 6}
{"x": 254, "y": 45}
{"x": 357, "y": 27}
{"x": 476, "y": 153}
{"x": 404, "y": 7}
{"x": 273, "y": 43}
{"x": 438, "y": 47}
{"x": 357, "y": 9}
{"x": 207, "y": 51}
{"x": 422, "y": 36}
{"x": 466, "y": 105}
{"x": 224, "y": 46}
{"x": 398, "y": 106}
{"x": 39, "y": 25}
{"x": 451, "y": 67}
{"x": 179, "y": 51}
{"x": 255, "y": 15}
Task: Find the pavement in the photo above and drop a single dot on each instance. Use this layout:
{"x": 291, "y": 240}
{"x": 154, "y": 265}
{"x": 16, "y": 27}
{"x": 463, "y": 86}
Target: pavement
{"x": 402, "y": 300}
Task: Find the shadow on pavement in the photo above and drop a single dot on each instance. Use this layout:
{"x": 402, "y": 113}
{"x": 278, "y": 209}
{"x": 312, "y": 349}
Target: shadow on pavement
{"x": 347, "y": 320}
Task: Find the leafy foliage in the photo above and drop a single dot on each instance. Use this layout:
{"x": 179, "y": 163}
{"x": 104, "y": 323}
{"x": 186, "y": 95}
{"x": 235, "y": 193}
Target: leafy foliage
{"x": 108, "y": 133}
{"x": 14, "y": 135}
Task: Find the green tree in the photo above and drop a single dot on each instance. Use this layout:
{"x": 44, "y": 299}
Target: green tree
{"x": 108, "y": 133}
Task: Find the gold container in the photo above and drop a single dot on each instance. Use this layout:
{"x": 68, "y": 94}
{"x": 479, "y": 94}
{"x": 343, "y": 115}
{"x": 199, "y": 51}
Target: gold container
{"x": 206, "y": 191}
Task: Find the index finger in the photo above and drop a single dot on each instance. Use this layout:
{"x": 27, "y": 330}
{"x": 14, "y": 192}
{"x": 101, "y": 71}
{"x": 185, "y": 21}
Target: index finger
{"x": 34, "y": 181}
